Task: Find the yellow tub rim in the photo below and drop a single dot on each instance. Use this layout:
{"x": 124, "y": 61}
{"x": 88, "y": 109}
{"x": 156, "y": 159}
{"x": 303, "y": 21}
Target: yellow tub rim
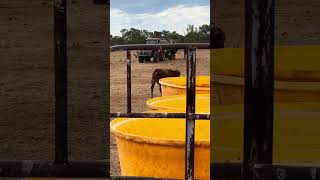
{"x": 152, "y": 140}
{"x": 202, "y": 82}
{"x": 281, "y": 107}
{"x": 155, "y": 103}
{"x": 278, "y": 85}
{"x": 292, "y": 63}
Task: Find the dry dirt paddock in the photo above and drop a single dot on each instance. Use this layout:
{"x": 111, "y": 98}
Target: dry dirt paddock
{"x": 141, "y": 78}
{"x": 27, "y": 80}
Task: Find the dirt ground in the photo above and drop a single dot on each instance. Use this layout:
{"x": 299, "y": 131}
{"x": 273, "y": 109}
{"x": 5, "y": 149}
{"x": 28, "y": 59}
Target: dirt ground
{"x": 141, "y": 78}
{"x": 27, "y": 80}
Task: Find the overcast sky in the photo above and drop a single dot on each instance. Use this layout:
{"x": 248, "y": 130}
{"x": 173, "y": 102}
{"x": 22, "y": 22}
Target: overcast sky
{"x": 158, "y": 15}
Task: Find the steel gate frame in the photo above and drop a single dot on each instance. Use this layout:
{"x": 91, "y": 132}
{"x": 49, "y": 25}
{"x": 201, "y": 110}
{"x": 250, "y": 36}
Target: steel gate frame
{"x": 190, "y": 115}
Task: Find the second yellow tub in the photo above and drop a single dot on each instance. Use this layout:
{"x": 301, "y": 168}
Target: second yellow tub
{"x": 178, "y": 103}
{"x": 296, "y": 133}
{"x": 177, "y": 85}
{"x": 296, "y": 74}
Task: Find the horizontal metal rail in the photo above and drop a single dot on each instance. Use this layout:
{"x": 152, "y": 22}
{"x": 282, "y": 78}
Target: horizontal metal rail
{"x": 73, "y": 169}
{"x": 158, "y": 115}
{"x": 137, "y": 178}
{"x": 158, "y": 46}
{"x": 265, "y": 171}
{"x": 286, "y": 172}
{"x": 225, "y": 170}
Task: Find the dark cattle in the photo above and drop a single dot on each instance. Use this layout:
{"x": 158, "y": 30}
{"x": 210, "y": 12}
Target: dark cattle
{"x": 162, "y": 73}
{"x": 218, "y": 37}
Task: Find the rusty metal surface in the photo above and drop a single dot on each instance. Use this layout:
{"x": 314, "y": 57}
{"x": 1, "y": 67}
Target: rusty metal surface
{"x": 190, "y": 109}
{"x": 158, "y": 46}
{"x": 73, "y": 169}
{"x": 259, "y": 85}
{"x": 286, "y": 172}
{"x": 225, "y": 170}
{"x": 128, "y": 81}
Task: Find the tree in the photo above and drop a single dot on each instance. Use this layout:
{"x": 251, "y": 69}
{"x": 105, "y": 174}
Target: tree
{"x": 116, "y": 40}
{"x": 190, "y": 29}
{"x": 137, "y": 36}
{"x": 204, "y": 29}
{"x": 175, "y": 36}
{"x": 134, "y": 36}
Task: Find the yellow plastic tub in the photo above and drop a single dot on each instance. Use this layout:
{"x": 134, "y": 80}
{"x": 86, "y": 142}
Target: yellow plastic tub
{"x": 177, "y": 85}
{"x": 296, "y": 133}
{"x": 156, "y": 147}
{"x": 230, "y": 90}
{"x": 178, "y": 103}
{"x": 297, "y": 74}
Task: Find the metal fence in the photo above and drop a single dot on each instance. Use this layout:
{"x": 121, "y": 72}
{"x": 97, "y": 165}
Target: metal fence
{"x": 190, "y": 115}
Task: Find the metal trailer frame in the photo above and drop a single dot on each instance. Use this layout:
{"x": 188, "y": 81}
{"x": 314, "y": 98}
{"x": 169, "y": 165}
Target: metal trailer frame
{"x": 257, "y": 163}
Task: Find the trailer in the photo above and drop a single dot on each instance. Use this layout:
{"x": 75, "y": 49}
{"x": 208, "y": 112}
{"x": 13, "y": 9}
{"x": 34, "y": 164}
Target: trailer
{"x": 156, "y": 54}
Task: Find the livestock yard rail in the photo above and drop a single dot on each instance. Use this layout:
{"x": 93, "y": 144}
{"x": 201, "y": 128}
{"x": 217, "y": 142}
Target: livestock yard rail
{"x": 258, "y": 142}
{"x": 190, "y": 115}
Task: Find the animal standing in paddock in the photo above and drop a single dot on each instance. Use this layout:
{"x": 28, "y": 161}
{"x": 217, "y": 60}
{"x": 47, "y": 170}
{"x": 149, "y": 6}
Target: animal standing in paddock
{"x": 162, "y": 73}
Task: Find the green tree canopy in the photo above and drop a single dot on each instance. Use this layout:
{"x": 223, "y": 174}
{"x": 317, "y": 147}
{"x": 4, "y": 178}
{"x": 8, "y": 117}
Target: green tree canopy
{"x": 199, "y": 34}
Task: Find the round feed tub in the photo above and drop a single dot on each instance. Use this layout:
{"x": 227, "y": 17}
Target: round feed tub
{"x": 177, "y": 85}
{"x": 156, "y": 147}
{"x": 178, "y": 103}
{"x": 297, "y": 74}
{"x": 296, "y": 133}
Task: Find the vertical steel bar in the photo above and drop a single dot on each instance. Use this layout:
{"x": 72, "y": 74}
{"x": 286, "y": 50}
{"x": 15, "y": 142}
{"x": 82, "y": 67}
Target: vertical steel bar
{"x": 185, "y": 53}
{"x": 190, "y": 120}
{"x": 61, "y": 80}
{"x": 128, "y": 81}
{"x": 259, "y": 69}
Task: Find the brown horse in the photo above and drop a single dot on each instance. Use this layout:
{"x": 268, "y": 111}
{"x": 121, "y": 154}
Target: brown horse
{"x": 162, "y": 73}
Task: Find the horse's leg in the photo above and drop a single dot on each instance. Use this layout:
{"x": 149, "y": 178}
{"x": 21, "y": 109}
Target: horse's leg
{"x": 160, "y": 88}
{"x": 152, "y": 86}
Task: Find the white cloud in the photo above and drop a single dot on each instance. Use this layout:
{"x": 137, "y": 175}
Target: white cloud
{"x": 173, "y": 19}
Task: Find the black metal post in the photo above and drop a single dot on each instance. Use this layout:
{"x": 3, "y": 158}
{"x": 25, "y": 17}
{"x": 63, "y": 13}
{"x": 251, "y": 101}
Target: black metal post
{"x": 190, "y": 120}
{"x": 128, "y": 81}
{"x": 61, "y": 81}
{"x": 259, "y": 69}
